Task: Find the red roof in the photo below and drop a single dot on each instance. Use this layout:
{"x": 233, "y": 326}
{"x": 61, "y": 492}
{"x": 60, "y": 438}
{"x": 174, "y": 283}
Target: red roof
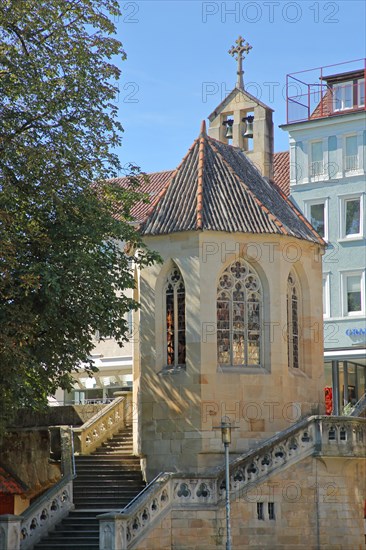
{"x": 9, "y": 485}
{"x": 151, "y": 184}
{"x": 281, "y": 171}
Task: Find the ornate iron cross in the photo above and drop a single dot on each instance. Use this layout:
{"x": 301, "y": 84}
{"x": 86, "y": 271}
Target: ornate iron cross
{"x": 239, "y": 50}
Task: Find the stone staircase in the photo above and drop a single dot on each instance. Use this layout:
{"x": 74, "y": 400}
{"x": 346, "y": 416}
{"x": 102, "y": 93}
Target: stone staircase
{"x": 108, "y": 479}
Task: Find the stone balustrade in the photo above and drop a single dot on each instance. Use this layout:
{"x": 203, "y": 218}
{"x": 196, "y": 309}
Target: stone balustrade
{"x": 103, "y": 425}
{"x": 46, "y": 512}
{"x": 317, "y": 436}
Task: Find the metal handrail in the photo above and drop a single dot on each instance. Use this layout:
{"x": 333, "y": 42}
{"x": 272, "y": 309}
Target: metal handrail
{"x": 359, "y": 407}
{"x": 73, "y": 453}
{"x": 144, "y": 490}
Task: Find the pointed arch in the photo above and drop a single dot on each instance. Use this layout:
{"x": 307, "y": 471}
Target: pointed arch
{"x": 239, "y": 316}
{"x": 293, "y": 320}
{"x": 175, "y": 318}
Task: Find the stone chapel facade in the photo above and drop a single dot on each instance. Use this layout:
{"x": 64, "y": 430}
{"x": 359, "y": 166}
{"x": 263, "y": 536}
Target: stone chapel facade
{"x": 230, "y": 323}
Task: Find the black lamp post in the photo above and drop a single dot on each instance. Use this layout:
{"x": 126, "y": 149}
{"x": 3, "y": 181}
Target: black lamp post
{"x": 226, "y": 428}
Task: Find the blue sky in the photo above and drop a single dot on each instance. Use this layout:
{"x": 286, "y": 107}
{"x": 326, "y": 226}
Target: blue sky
{"x": 178, "y": 68}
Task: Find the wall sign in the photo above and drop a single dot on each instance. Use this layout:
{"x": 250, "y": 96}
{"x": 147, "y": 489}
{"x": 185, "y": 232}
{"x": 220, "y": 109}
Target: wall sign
{"x": 356, "y": 332}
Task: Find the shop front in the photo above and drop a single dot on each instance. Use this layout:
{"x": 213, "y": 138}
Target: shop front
{"x": 345, "y": 375}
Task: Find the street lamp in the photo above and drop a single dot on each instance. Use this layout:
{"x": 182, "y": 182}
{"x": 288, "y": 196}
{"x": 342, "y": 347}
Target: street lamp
{"x": 226, "y": 428}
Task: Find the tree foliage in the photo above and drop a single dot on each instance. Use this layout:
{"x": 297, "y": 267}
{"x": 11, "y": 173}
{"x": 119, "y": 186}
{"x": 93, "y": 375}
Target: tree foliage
{"x": 62, "y": 267}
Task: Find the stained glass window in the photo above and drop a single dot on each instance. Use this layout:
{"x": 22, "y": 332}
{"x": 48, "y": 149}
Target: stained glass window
{"x": 239, "y": 316}
{"x": 293, "y": 335}
{"x": 175, "y": 319}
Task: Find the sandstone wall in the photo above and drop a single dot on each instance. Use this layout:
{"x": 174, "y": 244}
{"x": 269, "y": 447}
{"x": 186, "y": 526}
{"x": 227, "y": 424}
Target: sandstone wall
{"x": 27, "y": 454}
{"x": 318, "y": 503}
{"x": 179, "y": 410}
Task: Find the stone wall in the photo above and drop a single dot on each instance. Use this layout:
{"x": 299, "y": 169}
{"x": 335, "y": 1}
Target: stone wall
{"x": 68, "y": 415}
{"x": 27, "y": 454}
{"x": 318, "y": 503}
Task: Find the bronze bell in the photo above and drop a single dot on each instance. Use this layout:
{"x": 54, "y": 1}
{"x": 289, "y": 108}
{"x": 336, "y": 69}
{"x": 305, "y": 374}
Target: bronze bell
{"x": 248, "y": 126}
{"x": 229, "y": 128}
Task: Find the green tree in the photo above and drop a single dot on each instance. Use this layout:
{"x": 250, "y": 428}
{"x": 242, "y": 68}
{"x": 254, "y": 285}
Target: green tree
{"x": 62, "y": 267}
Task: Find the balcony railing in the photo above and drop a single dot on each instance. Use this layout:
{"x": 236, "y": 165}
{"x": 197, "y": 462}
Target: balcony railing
{"x": 351, "y": 163}
{"x": 316, "y": 168}
{"x": 315, "y": 93}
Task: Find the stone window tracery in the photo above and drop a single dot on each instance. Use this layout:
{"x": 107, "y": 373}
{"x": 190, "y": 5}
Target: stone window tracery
{"x": 293, "y": 314}
{"x": 239, "y": 316}
{"x": 175, "y": 319}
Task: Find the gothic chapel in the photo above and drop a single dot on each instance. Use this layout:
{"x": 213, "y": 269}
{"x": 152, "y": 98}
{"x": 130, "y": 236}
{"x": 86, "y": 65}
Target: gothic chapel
{"x": 230, "y": 332}
{"x": 231, "y": 322}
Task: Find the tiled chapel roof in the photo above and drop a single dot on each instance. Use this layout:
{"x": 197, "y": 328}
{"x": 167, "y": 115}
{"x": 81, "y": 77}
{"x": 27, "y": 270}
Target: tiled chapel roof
{"x": 216, "y": 187}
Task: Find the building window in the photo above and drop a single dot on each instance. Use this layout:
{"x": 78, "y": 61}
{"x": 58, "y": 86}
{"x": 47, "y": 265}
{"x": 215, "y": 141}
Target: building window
{"x": 326, "y": 301}
{"x": 361, "y": 92}
{"x": 343, "y": 96}
{"x": 175, "y": 319}
{"x": 352, "y": 213}
{"x": 316, "y": 159}
{"x": 293, "y": 315}
{"x": 351, "y": 154}
{"x": 239, "y": 316}
{"x": 271, "y": 511}
{"x": 351, "y": 217}
{"x": 260, "y": 510}
{"x": 353, "y": 293}
{"x": 317, "y": 214}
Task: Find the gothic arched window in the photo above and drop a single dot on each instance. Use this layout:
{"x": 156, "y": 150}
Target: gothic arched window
{"x": 293, "y": 313}
{"x": 175, "y": 318}
{"x": 239, "y": 316}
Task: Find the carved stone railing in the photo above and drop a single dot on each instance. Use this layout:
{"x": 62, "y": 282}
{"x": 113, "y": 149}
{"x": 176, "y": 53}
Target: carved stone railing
{"x": 316, "y": 436}
{"x": 45, "y": 513}
{"x": 103, "y": 425}
{"x": 120, "y": 531}
{"x": 51, "y": 507}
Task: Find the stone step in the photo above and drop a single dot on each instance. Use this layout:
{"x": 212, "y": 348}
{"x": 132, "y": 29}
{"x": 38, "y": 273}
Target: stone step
{"x": 78, "y": 527}
{"x": 75, "y": 533}
{"x": 49, "y": 544}
{"x": 104, "y": 507}
{"x": 120, "y": 448}
{"x": 120, "y": 438}
{"x": 84, "y": 515}
{"x": 106, "y": 481}
{"x": 134, "y": 475}
{"x": 113, "y": 452}
{"x": 119, "y": 441}
{"x": 117, "y": 448}
{"x": 114, "y": 468}
{"x": 107, "y": 486}
{"x": 94, "y": 458}
{"x": 113, "y": 500}
{"x": 108, "y": 469}
{"x": 116, "y": 445}
{"x": 96, "y": 499}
